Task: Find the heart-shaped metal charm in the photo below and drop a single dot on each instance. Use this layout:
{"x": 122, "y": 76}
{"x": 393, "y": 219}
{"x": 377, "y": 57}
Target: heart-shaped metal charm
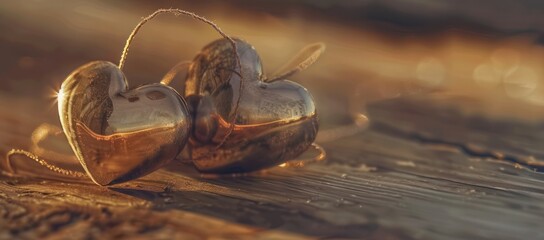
{"x": 117, "y": 133}
{"x": 276, "y": 119}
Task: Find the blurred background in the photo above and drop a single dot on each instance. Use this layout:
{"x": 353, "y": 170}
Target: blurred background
{"x": 487, "y": 53}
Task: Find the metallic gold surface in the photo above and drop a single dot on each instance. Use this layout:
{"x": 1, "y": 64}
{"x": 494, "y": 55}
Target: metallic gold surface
{"x": 116, "y": 133}
{"x": 276, "y": 121}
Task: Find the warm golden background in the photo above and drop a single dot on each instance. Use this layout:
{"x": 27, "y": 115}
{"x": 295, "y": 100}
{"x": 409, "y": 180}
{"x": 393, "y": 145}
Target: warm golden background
{"x": 378, "y": 49}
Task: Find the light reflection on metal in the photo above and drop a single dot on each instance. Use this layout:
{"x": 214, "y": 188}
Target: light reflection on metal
{"x": 276, "y": 121}
{"x": 119, "y": 134}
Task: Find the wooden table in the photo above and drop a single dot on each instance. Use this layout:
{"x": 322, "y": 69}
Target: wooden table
{"x": 410, "y": 175}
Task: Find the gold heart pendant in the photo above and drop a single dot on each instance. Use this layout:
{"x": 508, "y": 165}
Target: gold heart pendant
{"x": 242, "y": 121}
{"x": 276, "y": 119}
{"x": 117, "y": 133}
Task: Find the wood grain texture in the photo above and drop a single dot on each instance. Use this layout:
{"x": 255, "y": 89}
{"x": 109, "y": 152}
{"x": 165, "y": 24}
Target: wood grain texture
{"x": 384, "y": 183}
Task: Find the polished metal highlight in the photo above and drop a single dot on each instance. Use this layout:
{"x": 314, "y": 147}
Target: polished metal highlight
{"x": 276, "y": 119}
{"x": 117, "y": 133}
{"x": 238, "y": 120}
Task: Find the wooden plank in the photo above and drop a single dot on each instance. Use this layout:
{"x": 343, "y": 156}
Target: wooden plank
{"x": 377, "y": 184}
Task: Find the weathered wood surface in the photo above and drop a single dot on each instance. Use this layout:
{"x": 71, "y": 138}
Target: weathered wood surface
{"x": 428, "y": 167}
{"x": 386, "y": 182}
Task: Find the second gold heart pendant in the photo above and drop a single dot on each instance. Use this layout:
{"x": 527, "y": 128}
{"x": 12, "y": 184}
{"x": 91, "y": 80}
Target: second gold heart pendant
{"x": 230, "y": 118}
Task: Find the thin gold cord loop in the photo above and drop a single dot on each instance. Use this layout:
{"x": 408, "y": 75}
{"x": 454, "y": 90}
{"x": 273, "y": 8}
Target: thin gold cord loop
{"x": 170, "y": 75}
{"x": 42, "y": 162}
{"x": 176, "y": 12}
{"x": 301, "y": 162}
